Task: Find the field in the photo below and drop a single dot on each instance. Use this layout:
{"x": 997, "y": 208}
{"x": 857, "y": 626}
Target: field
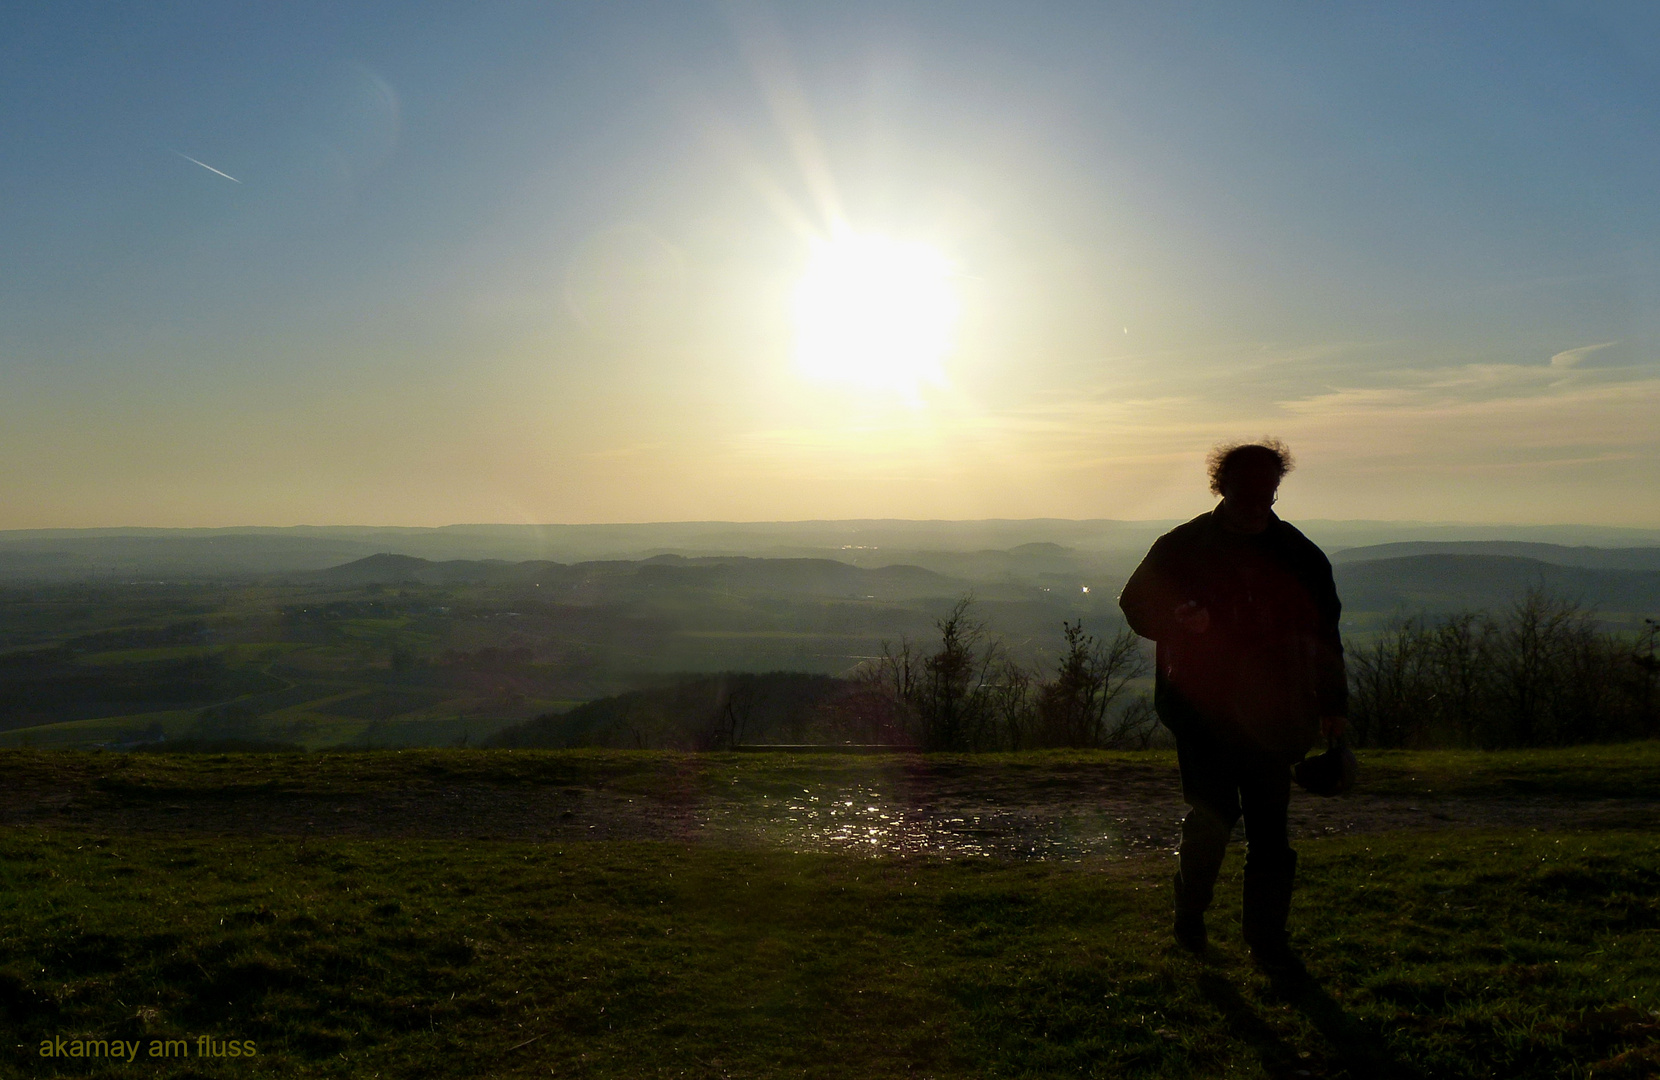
{"x": 387, "y": 653}
{"x": 394, "y": 650}
{"x": 609, "y": 914}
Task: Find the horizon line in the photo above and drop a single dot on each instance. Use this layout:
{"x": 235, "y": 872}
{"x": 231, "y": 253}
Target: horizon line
{"x": 731, "y": 523}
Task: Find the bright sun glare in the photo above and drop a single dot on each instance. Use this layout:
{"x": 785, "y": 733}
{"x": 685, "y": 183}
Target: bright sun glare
{"x": 876, "y": 313}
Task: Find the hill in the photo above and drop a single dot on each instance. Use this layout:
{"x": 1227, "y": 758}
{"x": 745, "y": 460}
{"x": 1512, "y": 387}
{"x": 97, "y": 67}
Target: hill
{"x": 732, "y": 575}
{"x": 1597, "y": 558}
{"x": 983, "y": 550}
{"x": 1444, "y": 582}
{"x": 715, "y": 712}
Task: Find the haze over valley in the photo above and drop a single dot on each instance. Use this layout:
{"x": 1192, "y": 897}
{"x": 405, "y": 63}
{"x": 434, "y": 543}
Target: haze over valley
{"x": 380, "y": 637}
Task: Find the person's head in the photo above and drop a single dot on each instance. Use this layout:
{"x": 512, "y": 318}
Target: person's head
{"x": 1247, "y": 476}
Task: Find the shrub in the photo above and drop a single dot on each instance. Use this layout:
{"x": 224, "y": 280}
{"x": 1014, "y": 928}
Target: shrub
{"x": 970, "y": 695}
{"x": 1540, "y": 674}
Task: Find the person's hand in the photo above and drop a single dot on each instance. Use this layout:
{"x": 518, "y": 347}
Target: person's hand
{"x": 1193, "y": 618}
{"x": 1333, "y": 727}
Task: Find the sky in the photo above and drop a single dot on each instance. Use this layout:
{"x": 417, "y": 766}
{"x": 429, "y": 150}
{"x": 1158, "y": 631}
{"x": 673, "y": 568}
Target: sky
{"x": 423, "y": 264}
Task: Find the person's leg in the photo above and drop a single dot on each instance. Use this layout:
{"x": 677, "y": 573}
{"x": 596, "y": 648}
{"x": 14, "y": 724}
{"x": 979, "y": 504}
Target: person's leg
{"x": 1204, "y": 843}
{"x": 1270, "y": 863}
{"x": 1212, "y": 794}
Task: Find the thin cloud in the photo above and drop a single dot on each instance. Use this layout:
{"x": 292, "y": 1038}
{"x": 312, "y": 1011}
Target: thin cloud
{"x": 1571, "y": 357}
{"x": 1609, "y": 423}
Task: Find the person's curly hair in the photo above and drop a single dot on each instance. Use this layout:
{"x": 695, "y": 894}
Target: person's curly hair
{"x": 1227, "y": 457}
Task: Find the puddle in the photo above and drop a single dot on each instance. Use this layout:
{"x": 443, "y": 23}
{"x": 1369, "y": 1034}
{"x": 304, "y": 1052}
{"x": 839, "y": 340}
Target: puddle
{"x": 862, "y": 820}
{"x": 937, "y": 809}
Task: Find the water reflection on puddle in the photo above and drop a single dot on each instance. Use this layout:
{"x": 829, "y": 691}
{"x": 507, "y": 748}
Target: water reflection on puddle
{"x": 869, "y": 820}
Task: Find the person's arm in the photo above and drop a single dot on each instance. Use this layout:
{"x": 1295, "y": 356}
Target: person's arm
{"x": 1331, "y": 674}
{"x": 1153, "y": 602}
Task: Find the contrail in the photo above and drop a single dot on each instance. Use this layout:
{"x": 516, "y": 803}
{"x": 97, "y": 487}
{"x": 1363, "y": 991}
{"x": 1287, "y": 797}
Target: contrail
{"x": 209, "y": 168}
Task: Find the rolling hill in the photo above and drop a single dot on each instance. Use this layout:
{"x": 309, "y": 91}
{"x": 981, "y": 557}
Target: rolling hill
{"x": 1438, "y": 583}
{"x": 1597, "y": 558}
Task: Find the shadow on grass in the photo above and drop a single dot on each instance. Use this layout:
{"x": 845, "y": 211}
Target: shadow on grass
{"x": 1360, "y": 1051}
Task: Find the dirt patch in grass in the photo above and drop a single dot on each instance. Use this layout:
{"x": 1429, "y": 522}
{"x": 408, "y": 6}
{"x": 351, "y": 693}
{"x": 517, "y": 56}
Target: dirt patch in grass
{"x": 1036, "y": 807}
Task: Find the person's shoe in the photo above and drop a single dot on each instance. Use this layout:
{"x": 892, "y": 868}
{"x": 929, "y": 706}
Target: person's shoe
{"x": 1190, "y": 933}
{"x": 1279, "y": 961}
{"x": 1265, "y": 909}
{"x": 1190, "y": 916}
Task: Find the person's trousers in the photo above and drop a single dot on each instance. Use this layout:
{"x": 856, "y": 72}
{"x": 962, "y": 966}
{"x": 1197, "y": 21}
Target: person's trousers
{"x": 1222, "y": 782}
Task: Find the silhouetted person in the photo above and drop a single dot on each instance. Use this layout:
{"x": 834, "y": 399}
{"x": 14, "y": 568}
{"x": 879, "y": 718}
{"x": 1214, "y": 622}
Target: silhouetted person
{"x": 1250, "y": 671}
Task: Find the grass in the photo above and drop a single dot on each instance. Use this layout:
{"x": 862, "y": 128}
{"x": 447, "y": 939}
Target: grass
{"x": 1627, "y": 770}
{"x": 1470, "y": 956}
{"x": 310, "y": 725}
{"x": 1621, "y": 770}
{"x": 149, "y": 655}
{"x": 1450, "y": 954}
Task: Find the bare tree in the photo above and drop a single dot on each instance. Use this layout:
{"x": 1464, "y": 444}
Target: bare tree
{"x": 735, "y": 699}
{"x": 1643, "y": 680}
{"x": 1011, "y": 700}
{"x": 897, "y": 675}
{"x": 1531, "y": 663}
{"x": 1135, "y": 725}
{"x": 1542, "y": 674}
{"x": 1461, "y": 651}
{"x": 1391, "y": 698}
{"x": 948, "y": 693}
{"x": 1093, "y": 675}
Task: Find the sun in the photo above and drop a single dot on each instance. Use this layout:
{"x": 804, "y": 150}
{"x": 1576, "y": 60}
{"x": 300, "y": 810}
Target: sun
{"x": 875, "y": 313}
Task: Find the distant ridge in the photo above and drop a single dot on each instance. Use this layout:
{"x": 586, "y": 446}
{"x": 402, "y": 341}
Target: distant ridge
{"x": 1443, "y": 582}
{"x": 385, "y": 568}
{"x": 1041, "y": 547}
{"x": 1599, "y": 558}
{"x": 1073, "y": 551}
{"x": 809, "y": 577}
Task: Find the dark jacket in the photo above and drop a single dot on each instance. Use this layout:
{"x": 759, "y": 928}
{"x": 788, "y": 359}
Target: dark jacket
{"x": 1271, "y": 662}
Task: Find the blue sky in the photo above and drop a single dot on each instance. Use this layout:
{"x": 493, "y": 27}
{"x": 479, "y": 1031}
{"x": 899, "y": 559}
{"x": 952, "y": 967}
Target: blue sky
{"x": 527, "y": 262}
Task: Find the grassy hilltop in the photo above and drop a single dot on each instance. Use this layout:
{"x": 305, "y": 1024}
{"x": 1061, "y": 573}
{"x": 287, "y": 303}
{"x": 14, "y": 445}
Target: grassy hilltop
{"x": 170, "y": 898}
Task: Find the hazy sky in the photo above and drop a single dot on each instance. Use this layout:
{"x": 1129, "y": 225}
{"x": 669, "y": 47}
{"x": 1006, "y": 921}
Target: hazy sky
{"x": 494, "y": 262}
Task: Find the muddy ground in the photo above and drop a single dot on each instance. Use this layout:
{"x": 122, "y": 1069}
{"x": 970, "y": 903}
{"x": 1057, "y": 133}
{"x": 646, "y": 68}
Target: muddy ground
{"x": 900, "y": 807}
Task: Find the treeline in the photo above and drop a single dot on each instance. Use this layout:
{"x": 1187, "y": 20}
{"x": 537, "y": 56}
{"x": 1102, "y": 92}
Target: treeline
{"x": 712, "y": 712}
{"x": 965, "y": 693}
{"x": 969, "y": 694}
{"x": 1541, "y": 673}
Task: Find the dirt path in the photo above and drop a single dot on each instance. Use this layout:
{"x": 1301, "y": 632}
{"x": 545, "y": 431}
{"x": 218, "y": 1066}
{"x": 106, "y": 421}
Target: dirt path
{"x": 908, "y": 808}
